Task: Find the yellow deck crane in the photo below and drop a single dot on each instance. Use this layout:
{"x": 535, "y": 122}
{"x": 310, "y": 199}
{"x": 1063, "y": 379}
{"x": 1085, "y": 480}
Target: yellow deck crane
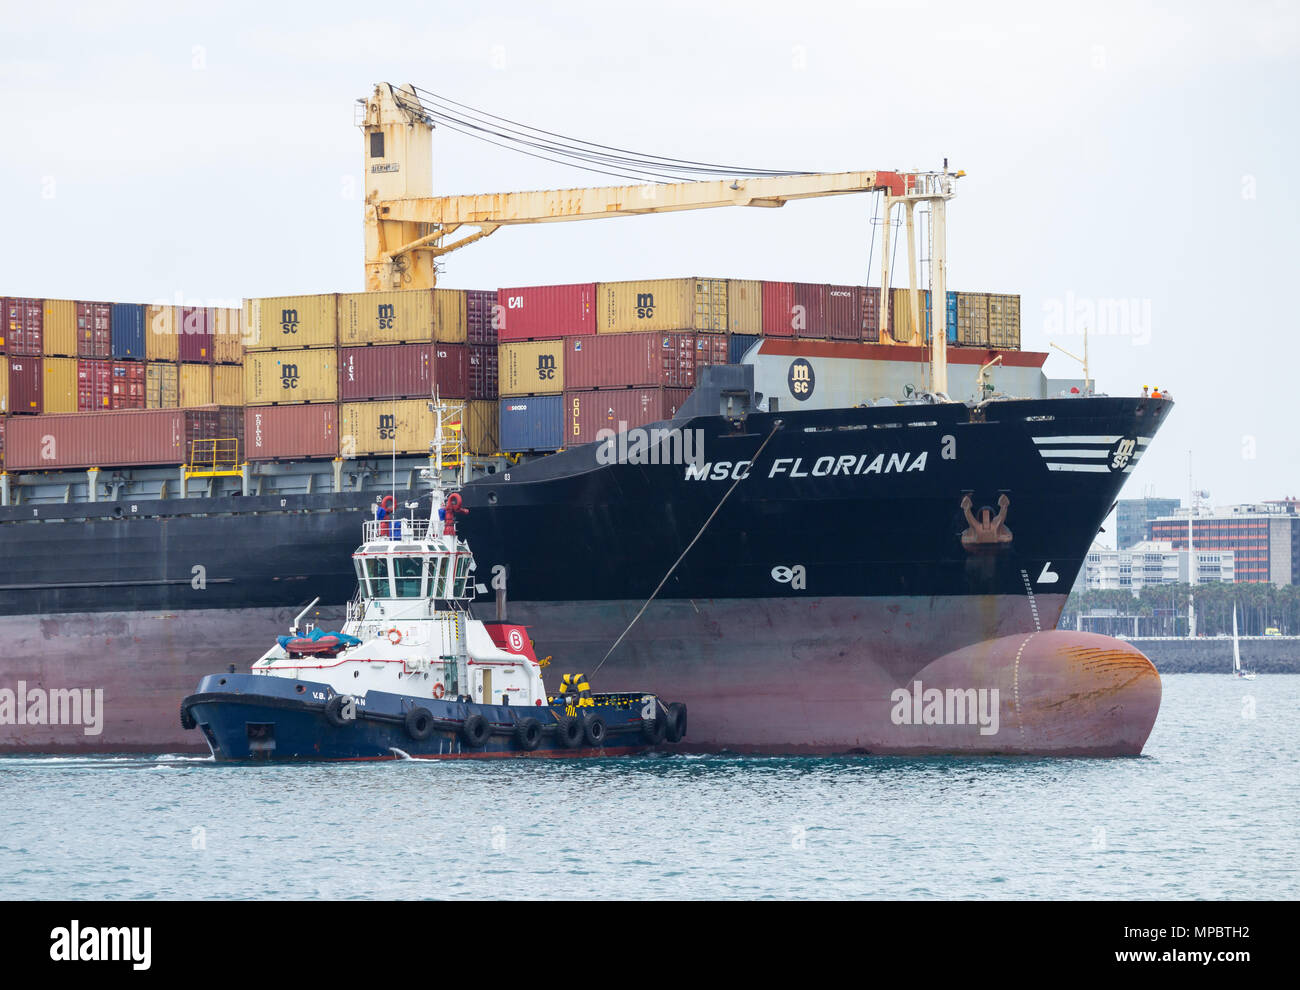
{"x": 407, "y": 228}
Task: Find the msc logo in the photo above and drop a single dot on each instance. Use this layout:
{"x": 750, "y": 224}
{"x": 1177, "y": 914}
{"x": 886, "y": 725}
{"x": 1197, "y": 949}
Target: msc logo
{"x": 387, "y": 426}
{"x": 801, "y": 379}
{"x": 288, "y": 376}
{"x": 1122, "y": 453}
{"x": 796, "y": 576}
{"x": 546, "y": 367}
{"x": 645, "y": 305}
{"x": 385, "y": 316}
{"x": 289, "y": 320}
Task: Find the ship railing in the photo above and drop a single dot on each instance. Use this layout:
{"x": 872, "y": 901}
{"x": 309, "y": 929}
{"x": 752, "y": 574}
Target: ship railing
{"x": 399, "y": 529}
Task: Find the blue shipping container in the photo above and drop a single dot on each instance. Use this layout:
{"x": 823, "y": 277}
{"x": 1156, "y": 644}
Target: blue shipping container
{"x": 738, "y": 344}
{"x": 128, "y": 331}
{"x": 952, "y": 319}
{"x": 532, "y": 422}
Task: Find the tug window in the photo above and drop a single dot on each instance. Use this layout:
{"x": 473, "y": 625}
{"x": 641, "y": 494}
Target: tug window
{"x": 462, "y": 574}
{"x": 407, "y": 572}
{"x": 361, "y": 578}
{"x": 377, "y": 568}
{"x": 437, "y": 572}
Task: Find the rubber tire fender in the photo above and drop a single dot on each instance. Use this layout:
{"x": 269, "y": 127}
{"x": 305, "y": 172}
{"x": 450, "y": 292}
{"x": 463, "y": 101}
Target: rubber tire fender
{"x": 653, "y": 730}
{"x": 594, "y": 731}
{"x": 528, "y": 734}
{"x": 187, "y": 718}
{"x": 475, "y": 731}
{"x": 676, "y": 720}
{"x": 419, "y": 724}
{"x": 334, "y": 711}
{"x": 568, "y": 732}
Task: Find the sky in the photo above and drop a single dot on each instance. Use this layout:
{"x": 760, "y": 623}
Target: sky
{"x": 1124, "y": 166}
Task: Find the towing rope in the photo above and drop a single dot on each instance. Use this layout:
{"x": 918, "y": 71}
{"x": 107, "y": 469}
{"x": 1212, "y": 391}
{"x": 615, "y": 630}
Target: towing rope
{"x": 753, "y": 463}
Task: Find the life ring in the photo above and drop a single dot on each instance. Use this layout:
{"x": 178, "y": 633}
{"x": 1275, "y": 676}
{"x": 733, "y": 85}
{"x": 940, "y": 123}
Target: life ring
{"x": 438, "y": 690}
{"x": 395, "y": 636}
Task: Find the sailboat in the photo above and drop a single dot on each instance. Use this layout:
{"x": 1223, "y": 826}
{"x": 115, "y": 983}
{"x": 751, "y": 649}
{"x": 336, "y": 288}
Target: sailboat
{"x": 1245, "y": 675}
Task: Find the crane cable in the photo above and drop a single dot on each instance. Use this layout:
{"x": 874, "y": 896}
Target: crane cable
{"x": 753, "y": 461}
{"x": 574, "y": 152}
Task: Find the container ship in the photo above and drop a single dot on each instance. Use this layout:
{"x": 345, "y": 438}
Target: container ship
{"x": 828, "y": 518}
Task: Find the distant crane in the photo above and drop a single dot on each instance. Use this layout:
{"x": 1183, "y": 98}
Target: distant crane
{"x": 407, "y": 228}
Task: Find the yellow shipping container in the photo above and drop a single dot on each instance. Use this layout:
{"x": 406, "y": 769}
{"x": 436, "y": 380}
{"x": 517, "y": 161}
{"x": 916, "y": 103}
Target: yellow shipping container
{"x": 450, "y": 318}
{"x": 161, "y": 385}
{"x": 59, "y": 390}
{"x": 162, "y": 333}
{"x": 531, "y": 367}
{"x": 744, "y": 306}
{"x": 227, "y": 336}
{"x": 195, "y": 385}
{"x": 279, "y": 322}
{"x": 398, "y": 317}
{"x": 384, "y": 426}
{"x": 272, "y": 377}
{"x": 482, "y": 426}
{"x": 228, "y": 385}
{"x": 4, "y": 385}
{"x": 60, "y": 332}
{"x": 661, "y": 305}
{"x": 900, "y": 308}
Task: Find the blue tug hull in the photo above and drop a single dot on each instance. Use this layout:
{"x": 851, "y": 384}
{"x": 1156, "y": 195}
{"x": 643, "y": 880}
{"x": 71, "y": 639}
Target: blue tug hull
{"x": 255, "y": 717}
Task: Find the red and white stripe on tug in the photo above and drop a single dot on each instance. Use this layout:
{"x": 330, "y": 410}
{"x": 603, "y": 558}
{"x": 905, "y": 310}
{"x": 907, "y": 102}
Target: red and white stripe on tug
{"x": 408, "y": 628}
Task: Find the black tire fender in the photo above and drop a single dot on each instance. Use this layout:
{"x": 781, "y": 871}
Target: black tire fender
{"x": 528, "y": 734}
{"x": 568, "y": 732}
{"x": 187, "y": 718}
{"x": 676, "y": 720}
{"x": 334, "y": 713}
{"x": 475, "y": 731}
{"x": 594, "y": 731}
{"x": 654, "y": 729}
{"x": 419, "y": 724}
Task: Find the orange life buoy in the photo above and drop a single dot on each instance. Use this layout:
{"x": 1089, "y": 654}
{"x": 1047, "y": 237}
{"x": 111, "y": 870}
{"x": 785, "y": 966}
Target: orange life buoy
{"x": 394, "y": 636}
{"x": 438, "y": 690}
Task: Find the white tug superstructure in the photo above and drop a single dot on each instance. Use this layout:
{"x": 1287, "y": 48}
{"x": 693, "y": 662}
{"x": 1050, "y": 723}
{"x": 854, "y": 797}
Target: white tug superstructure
{"x": 410, "y": 620}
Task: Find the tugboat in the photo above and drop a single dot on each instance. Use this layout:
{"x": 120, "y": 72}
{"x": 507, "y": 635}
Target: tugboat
{"x": 412, "y": 673}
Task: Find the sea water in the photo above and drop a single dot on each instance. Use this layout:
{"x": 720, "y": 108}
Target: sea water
{"x": 1210, "y": 810}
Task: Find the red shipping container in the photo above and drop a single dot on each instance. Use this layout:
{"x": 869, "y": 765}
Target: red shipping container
{"x": 480, "y": 314}
{"x": 586, "y": 413}
{"x": 128, "y": 385}
{"x": 94, "y": 384}
{"x": 843, "y": 312}
{"x": 291, "y": 432}
{"x": 619, "y": 360}
{"x": 385, "y": 371}
{"x": 23, "y": 329}
{"x": 483, "y": 363}
{"x": 195, "y": 344}
{"x": 26, "y": 384}
{"x": 710, "y": 348}
{"x": 871, "y": 314}
{"x": 450, "y": 370}
{"x": 546, "y": 312}
{"x": 778, "y": 309}
{"x": 810, "y": 310}
{"x": 94, "y": 330}
{"x": 125, "y": 438}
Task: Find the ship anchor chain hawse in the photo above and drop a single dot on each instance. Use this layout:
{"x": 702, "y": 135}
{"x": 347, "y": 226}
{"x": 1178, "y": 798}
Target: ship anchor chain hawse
{"x": 820, "y": 544}
{"x": 412, "y": 674}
